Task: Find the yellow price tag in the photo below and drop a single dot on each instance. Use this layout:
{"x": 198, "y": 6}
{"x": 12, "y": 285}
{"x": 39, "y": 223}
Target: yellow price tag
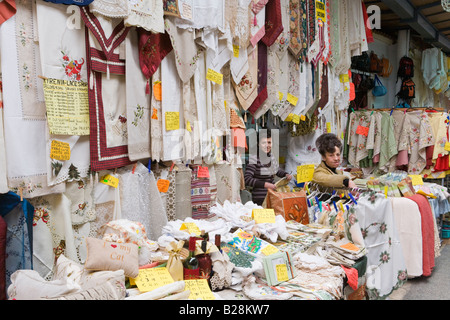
{"x": 236, "y": 50}
{"x": 280, "y": 95}
{"x": 110, "y": 181}
{"x": 270, "y": 249}
{"x": 172, "y": 120}
{"x": 190, "y": 227}
{"x": 344, "y": 77}
{"x": 289, "y": 117}
{"x": 59, "y": 150}
{"x": 302, "y": 117}
{"x": 214, "y": 76}
{"x": 328, "y": 127}
{"x": 447, "y": 146}
{"x": 320, "y": 11}
{"x": 296, "y": 119}
{"x": 416, "y": 180}
{"x": 305, "y": 173}
{"x": 292, "y": 99}
{"x": 199, "y": 289}
{"x": 263, "y": 215}
{"x": 282, "y": 272}
{"x": 152, "y": 278}
{"x": 188, "y": 126}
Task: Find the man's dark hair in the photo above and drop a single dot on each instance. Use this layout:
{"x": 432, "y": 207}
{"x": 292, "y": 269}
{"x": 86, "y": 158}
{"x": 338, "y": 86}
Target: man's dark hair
{"x": 328, "y": 142}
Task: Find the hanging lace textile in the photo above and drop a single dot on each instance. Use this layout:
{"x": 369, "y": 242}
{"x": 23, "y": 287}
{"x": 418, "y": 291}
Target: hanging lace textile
{"x": 63, "y": 57}
{"x": 107, "y": 96}
{"x": 140, "y": 199}
{"x": 138, "y": 103}
{"x": 25, "y": 124}
{"x": 148, "y": 14}
{"x": 111, "y": 8}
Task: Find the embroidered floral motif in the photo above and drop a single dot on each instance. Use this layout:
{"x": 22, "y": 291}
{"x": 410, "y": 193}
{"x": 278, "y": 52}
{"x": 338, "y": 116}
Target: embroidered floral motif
{"x": 246, "y": 83}
{"x": 40, "y": 213}
{"x": 23, "y": 35}
{"x": 138, "y": 114}
{"x": 27, "y": 187}
{"x": 26, "y": 77}
{"x": 72, "y": 68}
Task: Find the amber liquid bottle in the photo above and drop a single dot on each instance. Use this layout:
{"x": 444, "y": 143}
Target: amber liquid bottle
{"x": 191, "y": 264}
{"x": 205, "y": 262}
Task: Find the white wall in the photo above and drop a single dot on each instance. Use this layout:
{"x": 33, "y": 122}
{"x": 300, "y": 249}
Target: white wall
{"x": 384, "y": 47}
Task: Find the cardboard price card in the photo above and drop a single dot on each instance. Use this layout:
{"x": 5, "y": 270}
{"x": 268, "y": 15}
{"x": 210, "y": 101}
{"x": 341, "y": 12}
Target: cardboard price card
{"x": 296, "y": 119}
{"x": 199, "y": 289}
{"x": 163, "y": 185}
{"x": 152, "y": 278}
{"x": 214, "y": 76}
{"x": 305, "y": 173}
{"x": 202, "y": 172}
{"x": 292, "y": 99}
{"x": 416, "y": 180}
{"x": 364, "y": 131}
{"x": 110, "y": 181}
{"x": 263, "y": 215}
{"x": 282, "y": 272}
{"x": 172, "y": 120}
{"x": 157, "y": 90}
{"x": 190, "y": 227}
{"x": 269, "y": 249}
{"x": 60, "y": 150}
{"x": 236, "y": 50}
{"x": 447, "y": 146}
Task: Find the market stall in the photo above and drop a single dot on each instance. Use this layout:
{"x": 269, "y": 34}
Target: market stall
{"x": 132, "y": 165}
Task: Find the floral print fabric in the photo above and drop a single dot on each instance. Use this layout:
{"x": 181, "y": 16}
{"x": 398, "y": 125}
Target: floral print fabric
{"x": 386, "y": 268}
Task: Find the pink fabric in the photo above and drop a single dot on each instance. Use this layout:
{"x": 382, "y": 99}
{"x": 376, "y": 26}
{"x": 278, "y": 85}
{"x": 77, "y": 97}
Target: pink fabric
{"x": 427, "y": 232}
{"x": 376, "y": 158}
{"x": 402, "y": 158}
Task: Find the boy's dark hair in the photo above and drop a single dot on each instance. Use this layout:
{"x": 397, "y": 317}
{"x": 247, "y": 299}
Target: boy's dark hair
{"x": 264, "y": 133}
{"x": 328, "y": 142}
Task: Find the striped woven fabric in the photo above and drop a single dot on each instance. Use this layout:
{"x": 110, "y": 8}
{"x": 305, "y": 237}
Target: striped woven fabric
{"x": 200, "y": 196}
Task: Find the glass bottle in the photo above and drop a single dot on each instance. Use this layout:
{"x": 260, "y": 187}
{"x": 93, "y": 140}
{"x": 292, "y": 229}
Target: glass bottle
{"x": 217, "y": 242}
{"x": 205, "y": 262}
{"x": 191, "y": 263}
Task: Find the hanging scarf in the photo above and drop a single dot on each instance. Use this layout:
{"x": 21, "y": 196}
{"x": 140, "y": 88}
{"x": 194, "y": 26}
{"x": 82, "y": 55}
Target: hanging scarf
{"x": 153, "y": 47}
{"x": 295, "y": 42}
{"x": 262, "y": 78}
{"x": 273, "y": 25}
{"x": 185, "y": 48}
{"x": 257, "y": 30}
